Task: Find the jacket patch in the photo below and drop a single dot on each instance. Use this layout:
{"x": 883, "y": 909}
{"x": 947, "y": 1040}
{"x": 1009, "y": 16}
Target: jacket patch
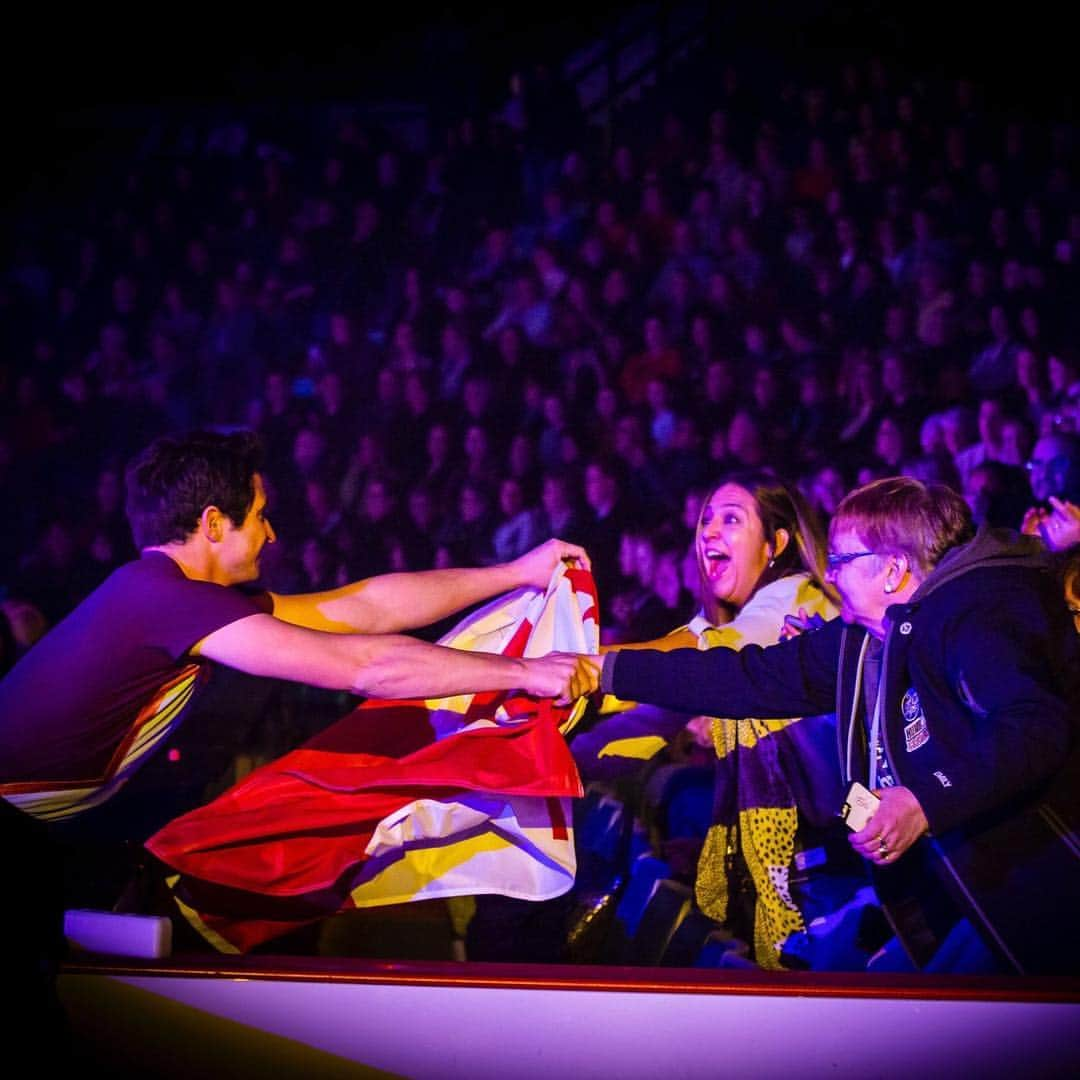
{"x": 942, "y": 779}
{"x": 916, "y": 732}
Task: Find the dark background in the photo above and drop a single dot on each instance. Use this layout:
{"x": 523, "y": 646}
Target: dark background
{"x": 58, "y": 71}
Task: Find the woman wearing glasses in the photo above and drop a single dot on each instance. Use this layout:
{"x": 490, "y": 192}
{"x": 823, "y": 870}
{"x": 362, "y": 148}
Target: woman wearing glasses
{"x": 773, "y": 850}
{"x": 948, "y": 669}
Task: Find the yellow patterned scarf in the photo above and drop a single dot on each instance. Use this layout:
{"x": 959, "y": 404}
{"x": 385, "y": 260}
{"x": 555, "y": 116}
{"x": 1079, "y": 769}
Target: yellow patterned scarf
{"x": 755, "y": 818}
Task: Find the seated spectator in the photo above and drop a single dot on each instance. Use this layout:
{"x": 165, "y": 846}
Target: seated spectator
{"x": 746, "y": 444}
{"x": 998, "y": 494}
{"x": 862, "y": 406}
{"x": 519, "y": 524}
{"x": 993, "y": 368}
{"x": 1054, "y": 472}
{"x": 1031, "y": 381}
{"x": 899, "y": 382}
{"x": 1063, "y": 372}
{"x": 1017, "y": 441}
{"x": 1015, "y": 656}
{"x": 827, "y": 487}
{"x": 759, "y": 554}
{"x": 607, "y": 513}
{"x": 468, "y": 532}
{"x": 658, "y": 360}
{"x": 526, "y": 307}
{"x": 932, "y": 469}
{"x": 892, "y": 444}
{"x": 422, "y": 520}
{"x": 320, "y": 569}
{"x": 990, "y": 446}
{"x": 813, "y": 422}
{"x": 634, "y": 604}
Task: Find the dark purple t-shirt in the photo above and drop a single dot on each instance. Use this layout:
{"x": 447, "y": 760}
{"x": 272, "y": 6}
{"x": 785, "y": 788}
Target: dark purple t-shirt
{"x": 68, "y": 703}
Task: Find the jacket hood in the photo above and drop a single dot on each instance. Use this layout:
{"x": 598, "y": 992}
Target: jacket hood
{"x": 990, "y": 548}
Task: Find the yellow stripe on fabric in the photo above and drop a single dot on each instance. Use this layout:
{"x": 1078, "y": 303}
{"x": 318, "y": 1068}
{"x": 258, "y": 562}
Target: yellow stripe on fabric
{"x": 727, "y": 636}
{"x": 192, "y": 917}
{"x": 640, "y": 747}
{"x": 52, "y": 805}
{"x": 63, "y": 803}
{"x": 609, "y": 703}
{"x": 576, "y": 713}
{"x": 747, "y": 733}
{"x": 404, "y": 879}
{"x": 156, "y": 726}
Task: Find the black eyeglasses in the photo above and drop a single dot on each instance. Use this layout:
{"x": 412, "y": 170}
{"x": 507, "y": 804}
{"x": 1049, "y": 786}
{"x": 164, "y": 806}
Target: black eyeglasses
{"x": 836, "y": 559}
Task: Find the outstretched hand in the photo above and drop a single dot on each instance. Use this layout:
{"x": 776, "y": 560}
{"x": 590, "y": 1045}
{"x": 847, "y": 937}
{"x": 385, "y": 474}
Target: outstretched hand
{"x": 536, "y": 567}
{"x": 895, "y": 825}
{"x": 562, "y": 676}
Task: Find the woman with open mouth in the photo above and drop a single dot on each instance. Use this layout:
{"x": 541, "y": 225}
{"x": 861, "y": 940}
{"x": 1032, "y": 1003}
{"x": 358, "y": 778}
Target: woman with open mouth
{"x": 771, "y": 843}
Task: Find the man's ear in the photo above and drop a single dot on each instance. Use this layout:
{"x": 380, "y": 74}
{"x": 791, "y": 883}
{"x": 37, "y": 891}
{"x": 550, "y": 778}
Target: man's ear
{"x": 211, "y": 524}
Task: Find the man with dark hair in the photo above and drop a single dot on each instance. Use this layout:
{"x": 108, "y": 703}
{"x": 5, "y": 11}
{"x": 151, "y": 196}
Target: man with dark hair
{"x": 948, "y": 670}
{"x": 102, "y": 692}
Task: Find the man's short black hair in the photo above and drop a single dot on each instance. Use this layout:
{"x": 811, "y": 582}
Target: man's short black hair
{"x": 177, "y": 477}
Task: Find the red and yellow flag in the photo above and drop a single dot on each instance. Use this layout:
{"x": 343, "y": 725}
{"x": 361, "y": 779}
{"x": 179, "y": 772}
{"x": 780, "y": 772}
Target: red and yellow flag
{"x": 400, "y": 800}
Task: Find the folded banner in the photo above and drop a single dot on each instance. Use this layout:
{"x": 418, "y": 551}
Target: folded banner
{"x": 400, "y": 800}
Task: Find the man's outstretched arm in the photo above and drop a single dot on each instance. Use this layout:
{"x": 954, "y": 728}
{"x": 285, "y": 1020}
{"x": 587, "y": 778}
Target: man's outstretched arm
{"x": 395, "y": 602}
{"x": 384, "y": 665}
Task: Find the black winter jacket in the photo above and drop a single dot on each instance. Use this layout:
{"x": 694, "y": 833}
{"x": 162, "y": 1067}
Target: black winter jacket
{"x": 979, "y": 722}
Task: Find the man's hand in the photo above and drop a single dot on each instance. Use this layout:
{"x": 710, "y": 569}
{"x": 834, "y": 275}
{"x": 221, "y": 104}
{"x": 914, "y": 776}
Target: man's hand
{"x": 563, "y": 676}
{"x": 1033, "y": 519}
{"x": 896, "y": 824}
{"x": 1061, "y": 528}
{"x": 536, "y": 567}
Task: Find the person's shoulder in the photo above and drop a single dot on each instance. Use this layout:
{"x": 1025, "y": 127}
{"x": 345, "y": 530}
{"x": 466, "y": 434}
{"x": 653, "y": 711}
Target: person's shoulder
{"x": 786, "y": 589}
{"x": 152, "y": 569}
{"x": 990, "y": 592}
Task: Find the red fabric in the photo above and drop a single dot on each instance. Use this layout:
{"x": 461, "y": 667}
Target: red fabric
{"x": 296, "y": 825}
{"x": 288, "y": 844}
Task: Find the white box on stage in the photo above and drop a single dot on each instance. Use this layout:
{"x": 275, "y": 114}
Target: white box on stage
{"x": 145, "y": 936}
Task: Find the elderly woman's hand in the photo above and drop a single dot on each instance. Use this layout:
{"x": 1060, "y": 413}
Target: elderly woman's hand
{"x": 895, "y": 825}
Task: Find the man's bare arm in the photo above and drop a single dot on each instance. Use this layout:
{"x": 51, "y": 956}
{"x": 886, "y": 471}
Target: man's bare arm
{"x": 395, "y": 602}
{"x": 384, "y": 665}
